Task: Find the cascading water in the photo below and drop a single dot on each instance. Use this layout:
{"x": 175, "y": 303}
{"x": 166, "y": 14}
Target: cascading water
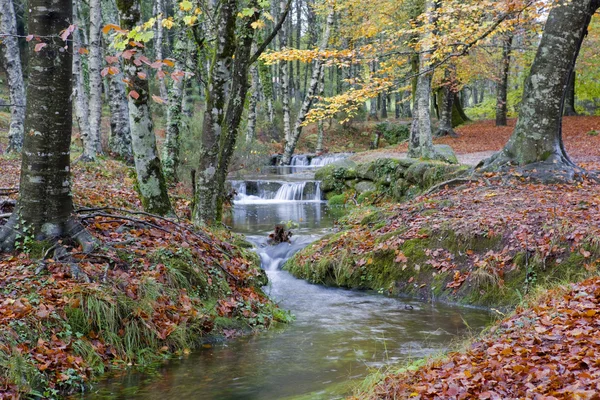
{"x": 338, "y": 335}
{"x": 321, "y": 161}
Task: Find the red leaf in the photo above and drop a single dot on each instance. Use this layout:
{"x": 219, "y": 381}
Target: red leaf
{"x": 40, "y": 46}
{"x": 135, "y": 95}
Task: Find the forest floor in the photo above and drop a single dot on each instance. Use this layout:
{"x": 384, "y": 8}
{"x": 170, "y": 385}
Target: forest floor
{"x": 153, "y": 288}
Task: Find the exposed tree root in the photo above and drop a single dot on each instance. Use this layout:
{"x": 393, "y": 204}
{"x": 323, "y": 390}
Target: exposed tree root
{"x": 555, "y": 169}
{"x": 445, "y": 132}
{"x": 12, "y": 231}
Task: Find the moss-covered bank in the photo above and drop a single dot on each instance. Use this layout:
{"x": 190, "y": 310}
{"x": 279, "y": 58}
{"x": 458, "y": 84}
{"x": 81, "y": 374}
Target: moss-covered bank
{"x": 480, "y": 244}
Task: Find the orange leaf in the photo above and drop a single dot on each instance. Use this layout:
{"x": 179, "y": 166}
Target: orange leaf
{"x": 39, "y": 46}
{"x": 135, "y": 95}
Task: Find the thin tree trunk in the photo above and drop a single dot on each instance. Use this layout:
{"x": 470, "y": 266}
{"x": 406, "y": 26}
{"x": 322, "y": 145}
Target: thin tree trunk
{"x": 397, "y": 104}
{"x": 80, "y": 96}
{"x": 170, "y": 158}
{"x": 93, "y": 146}
{"x": 45, "y": 203}
{"x": 14, "y": 72}
{"x": 158, "y": 43}
{"x": 384, "y": 111}
{"x": 151, "y": 183}
{"x": 120, "y": 133}
{"x": 284, "y": 81}
{"x": 318, "y": 70}
{"x": 421, "y": 143}
{"x": 373, "y": 101}
{"x": 251, "y": 128}
{"x": 570, "y": 96}
{"x": 320, "y": 127}
{"x": 502, "y": 85}
{"x": 537, "y": 138}
{"x": 446, "y": 104}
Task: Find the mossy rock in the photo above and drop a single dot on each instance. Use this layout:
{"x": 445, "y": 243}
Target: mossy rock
{"x": 441, "y": 173}
{"x": 366, "y": 171}
{"x": 365, "y": 186}
{"x": 414, "y": 174}
{"x": 444, "y": 153}
{"x": 366, "y": 197}
{"x": 399, "y": 188}
{"x": 407, "y": 162}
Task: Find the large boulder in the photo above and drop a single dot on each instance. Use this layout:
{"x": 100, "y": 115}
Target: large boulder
{"x": 444, "y": 153}
{"x": 365, "y": 186}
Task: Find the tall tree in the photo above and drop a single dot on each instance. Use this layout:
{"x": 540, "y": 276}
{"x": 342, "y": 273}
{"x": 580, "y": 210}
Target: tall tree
{"x": 502, "y": 84}
{"x": 284, "y": 77}
{"x": 537, "y": 138}
{"x": 45, "y": 202}
{"x": 14, "y": 71}
{"x": 151, "y": 183}
{"x": 92, "y": 145}
{"x": 570, "y": 96}
{"x": 318, "y": 71}
{"x": 421, "y": 143}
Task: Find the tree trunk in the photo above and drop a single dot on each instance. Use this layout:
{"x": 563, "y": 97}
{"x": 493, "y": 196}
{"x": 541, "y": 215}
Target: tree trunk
{"x": 266, "y": 81}
{"x": 502, "y": 85}
{"x": 421, "y": 143}
{"x": 205, "y": 203}
{"x": 150, "y": 179}
{"x": 570, "y": 96}
{"x": 446, "y": 105}
{"x": 45, "y": 204}
{"x": 119, "y": 141}
{"x": 318, "y": 70}
{"x": 251, "y": 128}
{"x": 170, "y": 158}
{"x": 537, "y": 138}
{"x": 14, "y": 72}
{"x": 384, "y": 113}
{"x": 92, "y": 144}
{"x": 373, "y": 101}
{"x": 284, "y": 81}
{"x": 80, "y": 96}
{"x": 158, "y": 43}
{"x": 320, "y": 127}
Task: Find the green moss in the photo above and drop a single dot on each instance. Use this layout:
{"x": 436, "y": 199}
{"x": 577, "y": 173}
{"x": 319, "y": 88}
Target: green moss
{"x": 337, "y": 200}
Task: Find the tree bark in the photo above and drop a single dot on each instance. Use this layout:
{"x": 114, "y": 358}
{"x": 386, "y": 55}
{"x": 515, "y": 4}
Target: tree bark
{"x": 205, "y": 202}
{"x": 80, "y": 96}
{"x": 318, "y": 70}
{"x": 170, "y": 157}
{"x": 44, "y": 208}
{"x": 502, "y": 85}
{"x": 158, "y": 43}
{"x": 151, "y": 183}
{"x": 320, "y": 127}
{"x": 421, "y": 143}
{"x": 284, "y": 81}
{"x": 537, "y": 138}
{"x": 570, "y": 96}
{"x": 120, "y": 133}
{"x": 251, "y": 128}
{"x": 14, "y": 72}
{"x": 92, "y": 144}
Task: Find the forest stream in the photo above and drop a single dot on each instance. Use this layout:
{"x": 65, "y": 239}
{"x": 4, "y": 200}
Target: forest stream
{"x": 338, "y": 336}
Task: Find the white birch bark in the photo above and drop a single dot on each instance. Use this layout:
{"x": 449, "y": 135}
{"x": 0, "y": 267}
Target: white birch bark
{"x": 92, "y": 145}
{"x": 284, "y": 80}
{"x": 14, "y": 71}
{"x": 318, "y": 70}
{"x": 320, "y": 124}
{"x": 80, "y": 98}
{"x": 158, "y": 43}
{"x": 251, "y": 128}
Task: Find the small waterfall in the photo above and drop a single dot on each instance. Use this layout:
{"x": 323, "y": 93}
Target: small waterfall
{"x": 321, "y": 161}
{"x": 291, "y": 191}
{"x": 275, "y": 191}
{"x": 300, "y": 160}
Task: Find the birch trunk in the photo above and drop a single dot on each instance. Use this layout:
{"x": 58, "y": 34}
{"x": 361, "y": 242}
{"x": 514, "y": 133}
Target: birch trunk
{"x": 266, "y": 81}
{"x": 120, "y": 134}
{"x": 171, "y": 146}
{"x": 14, "y": 72}
{"x": 79, "y": 94}
{"x": 158, "y": 42}
{"x": 318, "y": 70}
{"x": 251, "y": 128}
{"x": 421, "y": 143}
{"x": 502, "y": 85}
{"x": 150, "y": 179}
{"x": 320, "y": 124}
{"x": 45, "y": 203}
{"x": 284, "y": 80}
{"x": 537, "y": 138}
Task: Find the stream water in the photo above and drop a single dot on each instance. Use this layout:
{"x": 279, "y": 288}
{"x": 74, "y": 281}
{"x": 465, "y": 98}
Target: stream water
{"x": 337, "y": 338}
